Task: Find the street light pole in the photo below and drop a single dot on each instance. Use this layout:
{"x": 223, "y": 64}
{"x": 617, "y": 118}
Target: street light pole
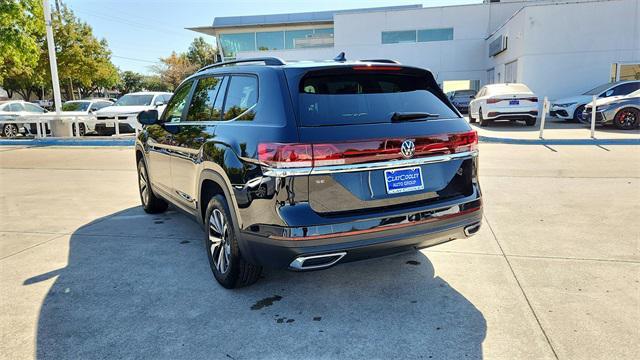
{"x": 52, "y": 57}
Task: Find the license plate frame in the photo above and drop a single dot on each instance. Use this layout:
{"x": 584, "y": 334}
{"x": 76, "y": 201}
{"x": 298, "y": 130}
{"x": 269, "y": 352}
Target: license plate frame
{"x": 403, "y": 180}
{"x": 110, "y": 124}
{"x": 514, "y": 102}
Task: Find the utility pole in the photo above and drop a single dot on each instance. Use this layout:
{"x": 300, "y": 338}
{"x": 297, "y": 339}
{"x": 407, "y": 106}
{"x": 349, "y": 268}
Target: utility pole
{"x": 52, "y": 57}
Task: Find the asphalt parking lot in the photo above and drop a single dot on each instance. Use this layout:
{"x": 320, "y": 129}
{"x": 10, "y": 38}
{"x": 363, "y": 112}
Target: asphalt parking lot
{"x": 553, "y": 273}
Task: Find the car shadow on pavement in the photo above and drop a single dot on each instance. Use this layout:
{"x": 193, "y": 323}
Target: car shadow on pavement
{"x": 139, "y": 286}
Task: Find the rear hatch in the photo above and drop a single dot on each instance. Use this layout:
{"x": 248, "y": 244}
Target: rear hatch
{"x": 370, "y": 129}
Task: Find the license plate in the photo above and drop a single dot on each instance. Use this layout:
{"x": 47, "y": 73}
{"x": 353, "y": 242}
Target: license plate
{"x": 403, "y": 180}
{"x": 109, "y": 124}
{"x": 514, "y": 102}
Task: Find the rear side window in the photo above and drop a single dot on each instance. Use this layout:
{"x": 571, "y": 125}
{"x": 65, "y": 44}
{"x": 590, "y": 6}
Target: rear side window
{"x": 203, "y": 102}
{"x": 242, "y": 98}
{"x": 361, "y": 97}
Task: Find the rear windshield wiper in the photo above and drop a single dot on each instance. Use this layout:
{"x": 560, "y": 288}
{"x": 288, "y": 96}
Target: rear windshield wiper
{"x": 412, "y": 116}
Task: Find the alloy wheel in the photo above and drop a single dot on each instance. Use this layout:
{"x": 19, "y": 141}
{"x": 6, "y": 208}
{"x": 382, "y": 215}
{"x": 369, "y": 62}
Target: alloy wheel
{"x": 10, "y": 130}
{"x": 143, "y": 185}
{"x": 626, "y": 119}
{"x": 219, "y": 244}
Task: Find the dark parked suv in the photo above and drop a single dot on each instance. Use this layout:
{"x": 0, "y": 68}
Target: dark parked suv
{"x": 306, "y": 165}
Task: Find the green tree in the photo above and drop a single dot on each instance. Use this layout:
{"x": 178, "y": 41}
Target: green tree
{"x": 84, "y": 62}
{"x": 154, "y": 83}
{"x": 21, "y": 37}
{"x": 201, "y": 53}
{"x": 174, "y": 69}
{"x": 130, "y": 81}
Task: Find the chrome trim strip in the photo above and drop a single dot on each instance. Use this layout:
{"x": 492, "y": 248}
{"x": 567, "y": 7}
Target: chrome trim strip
{"x": 274, "y": 172}
{"x": 298, "y": 263}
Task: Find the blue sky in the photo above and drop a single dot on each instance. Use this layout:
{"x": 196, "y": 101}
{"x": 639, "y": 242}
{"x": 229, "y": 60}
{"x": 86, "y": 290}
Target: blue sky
{"x": 141, "y": 31}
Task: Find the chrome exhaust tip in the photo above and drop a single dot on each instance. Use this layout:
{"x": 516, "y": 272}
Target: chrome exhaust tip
{"x": 471, "y": 229}
{"x": 315, "y": 262}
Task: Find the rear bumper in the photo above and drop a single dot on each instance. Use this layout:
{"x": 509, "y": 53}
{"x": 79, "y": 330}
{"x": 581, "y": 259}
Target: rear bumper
{"x": 514, "y": 115}
{"x": 280, "y": 247}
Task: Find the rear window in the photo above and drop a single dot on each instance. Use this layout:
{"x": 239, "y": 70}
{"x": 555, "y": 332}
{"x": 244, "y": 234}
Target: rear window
{"x": 366, "y": 97}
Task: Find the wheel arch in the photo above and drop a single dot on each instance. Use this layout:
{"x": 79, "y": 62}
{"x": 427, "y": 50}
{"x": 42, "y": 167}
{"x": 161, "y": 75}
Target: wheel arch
{"x": 212, "y": 183}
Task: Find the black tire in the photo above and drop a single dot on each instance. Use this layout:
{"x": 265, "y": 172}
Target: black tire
{"x": 83, "y": 129}
{"x": 150, "y": 202}
{"x": 483, "y": 122}
{"x": 221, "y": 245}
{"x": 10, "y": 130}
{"x": 530, "y": 122}
{"x": 577, "y": 115}
{"x": 472, "y": 120}
{"x": 627, "y": 118}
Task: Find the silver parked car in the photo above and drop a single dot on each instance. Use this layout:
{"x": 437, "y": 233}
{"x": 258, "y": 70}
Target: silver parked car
{"x": 621, "y": 111}
{"x": 14, "y": 110}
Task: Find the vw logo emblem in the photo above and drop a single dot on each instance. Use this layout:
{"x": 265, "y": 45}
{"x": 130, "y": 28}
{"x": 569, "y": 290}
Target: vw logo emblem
{"x": 407, "y": 149}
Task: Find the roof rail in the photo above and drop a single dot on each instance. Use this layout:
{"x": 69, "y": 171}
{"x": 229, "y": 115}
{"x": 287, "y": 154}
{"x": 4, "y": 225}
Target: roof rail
{"x": 272, "y": 61}
{"x": 386, "y": 61}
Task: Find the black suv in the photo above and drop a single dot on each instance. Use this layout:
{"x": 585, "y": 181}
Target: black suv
{"x": 305, "y": 165}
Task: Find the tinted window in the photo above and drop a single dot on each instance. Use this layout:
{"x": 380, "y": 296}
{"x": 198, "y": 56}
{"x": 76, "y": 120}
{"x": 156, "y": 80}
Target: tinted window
{"x": 15, "y": 107}
{"x": 625, "y": 89}
{"x": 395, "y": 37}
{"x": 242, "y": 96}
{"x": 173, "y": 111}
{"x": 33, "y": 108}
{"x": 75, "y": 106}
{"x": 435, "y": 35}
{"x": 134, "y": 100}
{"x": 358, "y": 98}
{"x": 202, "y": 107}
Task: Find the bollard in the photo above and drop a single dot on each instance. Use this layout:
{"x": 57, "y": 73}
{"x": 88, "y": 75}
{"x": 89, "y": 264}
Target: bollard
{"x": 77, "y": 125}
{"x": 117, "y": 125}
{"x": 38, "y": 132}
{"x": 593, "y": 117}
{"x": 544, "y": 116}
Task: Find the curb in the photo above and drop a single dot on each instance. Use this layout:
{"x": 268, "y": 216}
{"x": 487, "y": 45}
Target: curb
{"x": 484, "y": 139}
{"x": 68, "y": 142}
{"x": 496, "y": 140}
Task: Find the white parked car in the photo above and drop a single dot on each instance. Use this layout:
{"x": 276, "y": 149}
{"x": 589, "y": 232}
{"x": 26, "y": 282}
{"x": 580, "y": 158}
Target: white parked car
{"x": 84, "y": 107}
{"x": 571, "y": 108}
{"x": 504, "y": 102}
{"x": 126, "y": 110}
{"x": 15, "y": 110}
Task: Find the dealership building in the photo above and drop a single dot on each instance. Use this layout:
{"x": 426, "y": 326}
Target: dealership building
{"x": 557, "y": 48}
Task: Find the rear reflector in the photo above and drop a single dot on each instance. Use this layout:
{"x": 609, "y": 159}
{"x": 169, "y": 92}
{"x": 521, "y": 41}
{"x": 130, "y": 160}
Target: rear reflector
{"x": 278, "y": 155}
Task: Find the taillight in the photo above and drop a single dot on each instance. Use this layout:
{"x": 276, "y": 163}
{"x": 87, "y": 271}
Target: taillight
{"x": 532, "y": 99}
{"x": 493, "y": 101}
{"x": 357, "y": 152}
{"x": 285, "y": 155}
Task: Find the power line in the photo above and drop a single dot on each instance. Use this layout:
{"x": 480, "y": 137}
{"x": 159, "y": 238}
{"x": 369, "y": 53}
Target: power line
{"x": 135, "y": 59}
{"x": 139, "y": 25}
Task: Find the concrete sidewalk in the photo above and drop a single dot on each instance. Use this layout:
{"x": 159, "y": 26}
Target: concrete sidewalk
{"x": 553, "y": 273}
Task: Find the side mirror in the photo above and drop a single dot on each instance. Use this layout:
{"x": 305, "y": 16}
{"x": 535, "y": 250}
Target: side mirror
{"x": 472, "y": 97}
{"x": 148, "y": 117}
{"x": 159, "y": 103}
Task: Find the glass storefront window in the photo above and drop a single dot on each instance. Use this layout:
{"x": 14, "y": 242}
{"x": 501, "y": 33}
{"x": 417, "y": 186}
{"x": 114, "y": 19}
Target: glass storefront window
{"x": 270, "y": 40}
{"x": 233, "y": 43}
{"x": 397, "y": 37}
{"x": 435, "y": 35}
{"x": 294, "y": 36}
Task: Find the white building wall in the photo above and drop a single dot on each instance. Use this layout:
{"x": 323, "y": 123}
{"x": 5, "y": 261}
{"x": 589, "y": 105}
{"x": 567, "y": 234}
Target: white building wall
{"x": 562, "y": 48}
{"x": 566, "y": 49}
